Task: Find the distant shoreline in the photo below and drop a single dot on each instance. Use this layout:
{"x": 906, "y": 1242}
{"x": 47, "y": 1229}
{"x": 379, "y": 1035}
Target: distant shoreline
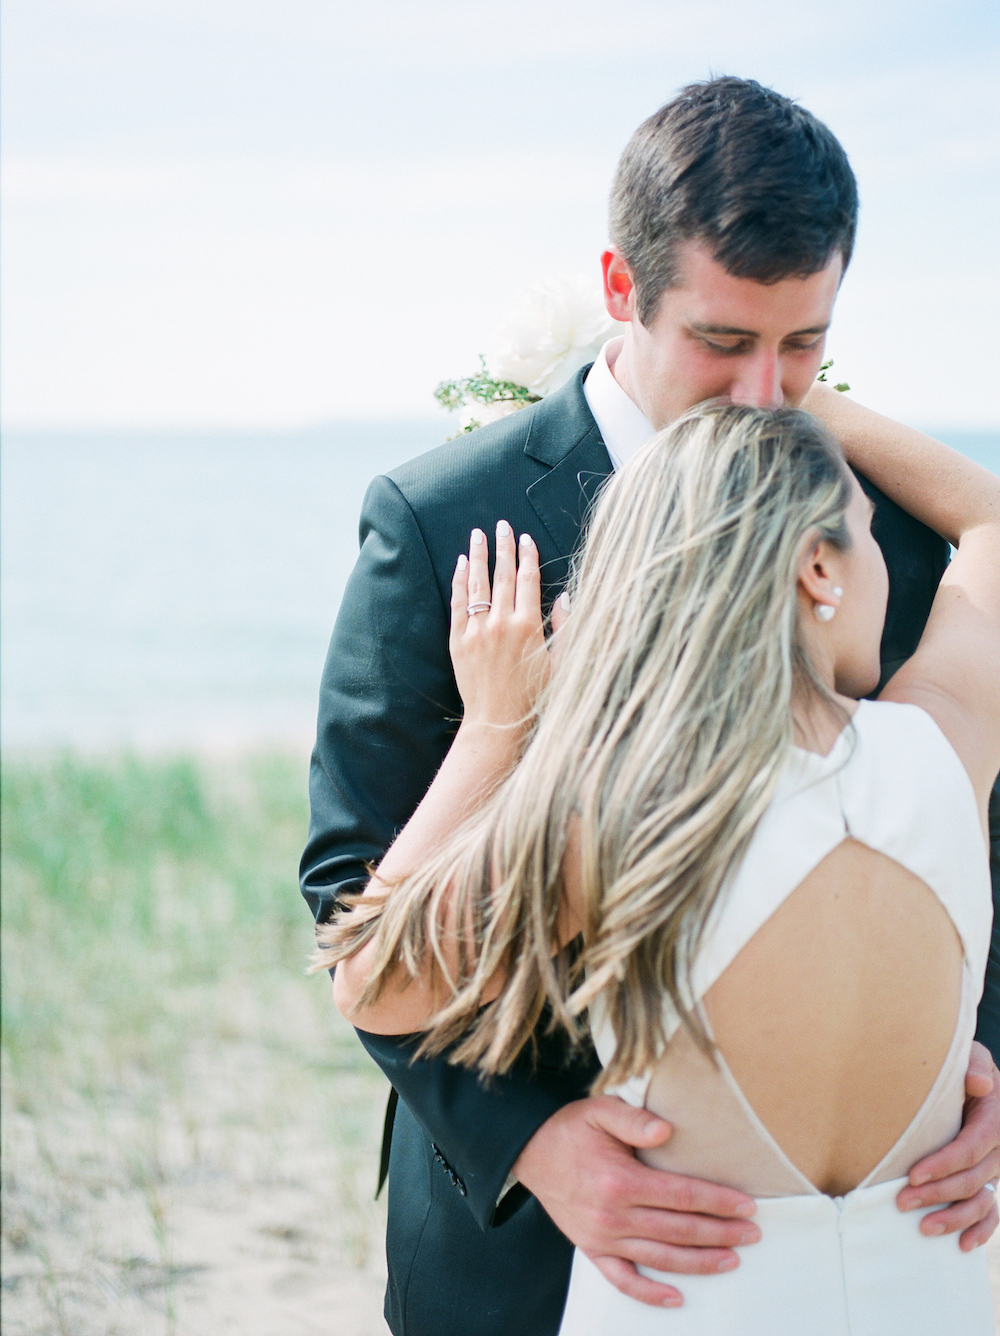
{"x": 174, "y": 594}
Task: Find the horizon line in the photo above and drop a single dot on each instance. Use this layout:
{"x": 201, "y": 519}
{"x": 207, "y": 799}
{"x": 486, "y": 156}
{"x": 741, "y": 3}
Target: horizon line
{"x": 440, "y": 418}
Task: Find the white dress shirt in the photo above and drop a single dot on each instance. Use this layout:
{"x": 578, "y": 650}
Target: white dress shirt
{"x": 622, "y": 424}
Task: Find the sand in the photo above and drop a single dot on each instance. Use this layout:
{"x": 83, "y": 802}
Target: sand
{"x": 246, "y": 1205}
{"x": 205, "y": 1224}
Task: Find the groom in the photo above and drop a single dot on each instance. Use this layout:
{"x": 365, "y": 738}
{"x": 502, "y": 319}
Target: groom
{"x": 732, "y": 219}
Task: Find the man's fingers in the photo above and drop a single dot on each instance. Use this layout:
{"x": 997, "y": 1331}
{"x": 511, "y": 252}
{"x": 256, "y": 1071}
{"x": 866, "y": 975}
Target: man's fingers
{"x": 982, "y": 1231}
{"x": 662, "y": 1190}
{"x": 679, "y": 1229}
{"x": 626, "y": 1123}
{"x": 581, "y": 1168}
{"x": 981, "y": 1074}
{"x": 978, "y": 1084}
{"x": 956, "y": 1188}
{"x": 959, "y": 1172}
{"x": 505, "y": 570}
{"x": 623, "y": 1276}
{"x": 961, "y": 1215}
{"x": 977, "y": 1139}
{"x": 679, "y": 1261}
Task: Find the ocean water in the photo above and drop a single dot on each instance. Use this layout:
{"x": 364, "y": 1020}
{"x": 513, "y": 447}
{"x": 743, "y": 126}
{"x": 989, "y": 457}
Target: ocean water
{"x": 176, "y": 592}
{"x": 170, "y": 592}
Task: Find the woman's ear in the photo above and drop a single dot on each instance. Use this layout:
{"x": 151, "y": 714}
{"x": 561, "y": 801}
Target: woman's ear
{"x": 819, "y": 576}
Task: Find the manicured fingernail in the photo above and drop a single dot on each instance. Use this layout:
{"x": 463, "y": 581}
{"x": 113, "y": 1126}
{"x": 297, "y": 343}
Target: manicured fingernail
{"x": 478, "y": 537}
{"x": 526, "y": 540}
{"x": 750, "y": 1235}
{"x": 918, "y": 1180}
{"x": 747, "y": 1209}
{"x": 463, "y": 561}
{"x": 503, "y": 528}
{"x": 728, "y": 1264}
{"x": 672, "y": 1301}
{"x": 931, "y": 1230}
{"x": 564, "y": 602}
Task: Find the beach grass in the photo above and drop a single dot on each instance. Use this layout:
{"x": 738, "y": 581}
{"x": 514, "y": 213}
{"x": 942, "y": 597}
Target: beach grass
{"x": 190, "y": 1131}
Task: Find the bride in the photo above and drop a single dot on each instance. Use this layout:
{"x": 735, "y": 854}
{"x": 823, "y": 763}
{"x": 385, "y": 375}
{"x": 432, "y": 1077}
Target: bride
{"x": 770, "y": 896}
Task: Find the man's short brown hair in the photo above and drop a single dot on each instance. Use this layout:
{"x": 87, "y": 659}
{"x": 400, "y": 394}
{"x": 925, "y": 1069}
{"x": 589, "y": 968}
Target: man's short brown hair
{"x": 757, "y": 178}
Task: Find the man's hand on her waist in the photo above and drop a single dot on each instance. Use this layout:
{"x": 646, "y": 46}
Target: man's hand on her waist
{"x": 958, "y": 1174}
{"x": 581, "y": 1165}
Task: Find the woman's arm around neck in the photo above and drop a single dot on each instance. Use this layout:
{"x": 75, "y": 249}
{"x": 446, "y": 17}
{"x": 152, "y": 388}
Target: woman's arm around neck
{"x": 955, "y": 673}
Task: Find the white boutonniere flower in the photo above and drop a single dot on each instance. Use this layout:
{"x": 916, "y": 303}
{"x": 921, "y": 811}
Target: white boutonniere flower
{"x": 554, "y": 329}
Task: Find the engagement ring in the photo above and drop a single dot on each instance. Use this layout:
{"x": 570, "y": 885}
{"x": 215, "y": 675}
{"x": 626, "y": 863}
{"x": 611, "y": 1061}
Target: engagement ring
{"x": 473, "y": 608}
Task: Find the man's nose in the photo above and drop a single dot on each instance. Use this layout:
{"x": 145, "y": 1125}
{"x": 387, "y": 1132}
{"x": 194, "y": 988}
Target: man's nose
{"x": 758, "y": 384}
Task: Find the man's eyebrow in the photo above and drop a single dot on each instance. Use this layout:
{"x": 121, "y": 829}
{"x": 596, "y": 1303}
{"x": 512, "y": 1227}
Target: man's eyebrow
{"x": 699, "y": 328}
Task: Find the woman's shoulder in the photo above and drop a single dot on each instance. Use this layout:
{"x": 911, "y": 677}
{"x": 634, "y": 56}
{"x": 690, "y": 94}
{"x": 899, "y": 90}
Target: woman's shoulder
{"x": 905, "y": 737}
{"x": 905, "y": 792}
{"x": 920, "y": 719}
{"x": 904, "y": 723}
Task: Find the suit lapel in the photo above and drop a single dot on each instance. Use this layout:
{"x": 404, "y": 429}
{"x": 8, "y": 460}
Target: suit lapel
{"x": 563, "y": 496}
{"x": 565, "y": 436}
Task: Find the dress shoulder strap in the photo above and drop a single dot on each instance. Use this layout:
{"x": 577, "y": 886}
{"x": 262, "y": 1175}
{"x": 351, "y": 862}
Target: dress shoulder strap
{"x": 909, "y": 796}
{"x": 892, "y": 781}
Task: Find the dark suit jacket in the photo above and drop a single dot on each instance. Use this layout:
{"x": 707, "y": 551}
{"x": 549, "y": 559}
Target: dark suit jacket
{"x": 389, "y": 708}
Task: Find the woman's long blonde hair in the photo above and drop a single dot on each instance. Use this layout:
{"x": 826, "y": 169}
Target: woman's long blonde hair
{"x": 660, "y": 738}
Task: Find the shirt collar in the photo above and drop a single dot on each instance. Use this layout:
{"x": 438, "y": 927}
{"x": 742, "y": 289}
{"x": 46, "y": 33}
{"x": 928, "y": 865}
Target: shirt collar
{"x": 622, "y": 424}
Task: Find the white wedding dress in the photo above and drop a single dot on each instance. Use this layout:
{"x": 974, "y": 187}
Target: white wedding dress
{"x": 825, "y": 1266}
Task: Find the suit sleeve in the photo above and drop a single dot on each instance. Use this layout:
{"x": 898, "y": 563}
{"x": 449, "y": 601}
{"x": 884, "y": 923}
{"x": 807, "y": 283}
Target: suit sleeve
{"x": 388, "y": 704}
{"x": 388, "y": 711}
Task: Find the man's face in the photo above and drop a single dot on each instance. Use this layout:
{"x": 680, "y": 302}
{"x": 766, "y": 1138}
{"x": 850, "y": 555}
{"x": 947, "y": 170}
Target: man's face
{"x": 716, "y": 336}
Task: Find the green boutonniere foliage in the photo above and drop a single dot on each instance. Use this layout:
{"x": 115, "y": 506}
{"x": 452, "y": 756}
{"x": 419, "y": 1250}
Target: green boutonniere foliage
{"x": 841, "y": 386}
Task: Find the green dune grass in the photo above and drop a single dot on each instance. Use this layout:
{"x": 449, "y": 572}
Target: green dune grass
{"x": 132, "y": 891}
{"x": 159, "y": 1032}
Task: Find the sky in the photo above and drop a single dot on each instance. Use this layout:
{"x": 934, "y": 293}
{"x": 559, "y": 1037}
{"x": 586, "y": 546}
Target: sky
{"x": 239, "y": 214}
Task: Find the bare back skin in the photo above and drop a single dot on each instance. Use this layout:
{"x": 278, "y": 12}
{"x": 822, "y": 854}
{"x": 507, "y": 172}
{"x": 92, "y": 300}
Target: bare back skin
{"x": 854, "y": 988}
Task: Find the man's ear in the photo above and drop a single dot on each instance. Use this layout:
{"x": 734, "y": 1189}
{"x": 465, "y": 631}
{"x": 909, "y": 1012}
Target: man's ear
{"x": 619, "y": 287}
{"x": 817, "y": 573}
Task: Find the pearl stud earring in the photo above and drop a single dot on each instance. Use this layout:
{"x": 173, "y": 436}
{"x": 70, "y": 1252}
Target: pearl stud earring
{"x": 826, "y": 611}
